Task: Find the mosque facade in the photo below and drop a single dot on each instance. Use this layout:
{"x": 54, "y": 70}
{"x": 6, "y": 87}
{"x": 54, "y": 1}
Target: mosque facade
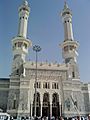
{"x": 59, "y": 90}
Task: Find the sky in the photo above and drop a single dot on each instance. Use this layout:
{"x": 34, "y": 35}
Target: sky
{"x": 45, "y": 28}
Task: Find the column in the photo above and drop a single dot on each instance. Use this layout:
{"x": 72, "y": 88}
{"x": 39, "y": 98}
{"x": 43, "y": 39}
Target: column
{"x": 50, "y": 105}
{"x": 41, "y": 99}
{"x": 41, "y": 107}
{"x": 31, "y": 108}
{"x": 50, "y": 110}
{"x": 60, "y": 106}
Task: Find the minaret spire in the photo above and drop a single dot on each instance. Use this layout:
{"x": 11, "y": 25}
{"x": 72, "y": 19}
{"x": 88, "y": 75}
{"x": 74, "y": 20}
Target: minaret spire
{"x": 24, "y": 11}
{"x": 67, "y": 22}
{"x": 65, "y": 4}
{"x": 25, "y": 2}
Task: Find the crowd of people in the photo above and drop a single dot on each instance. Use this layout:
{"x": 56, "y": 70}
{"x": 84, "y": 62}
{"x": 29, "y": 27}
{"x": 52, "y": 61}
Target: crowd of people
{"x": 53, "y": 118}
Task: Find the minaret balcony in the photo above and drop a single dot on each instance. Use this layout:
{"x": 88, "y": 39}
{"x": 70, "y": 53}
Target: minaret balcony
{"x": 21, "y": 40}
{"x": 70, "y": 43}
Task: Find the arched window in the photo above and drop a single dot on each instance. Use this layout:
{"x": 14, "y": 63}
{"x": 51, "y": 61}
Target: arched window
{"x": 37, "y": 99}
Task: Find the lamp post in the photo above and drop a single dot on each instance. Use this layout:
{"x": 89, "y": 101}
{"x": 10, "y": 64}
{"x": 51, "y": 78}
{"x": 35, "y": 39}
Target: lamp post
{"x": 37, "y": 49}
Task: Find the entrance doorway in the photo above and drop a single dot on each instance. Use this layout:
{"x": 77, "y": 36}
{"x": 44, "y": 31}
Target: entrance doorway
{"x": 46, "y": 105}
{"x": 55, "y": 105}
{"x": 45, "y": 111}
{"x": 37, "y": 105}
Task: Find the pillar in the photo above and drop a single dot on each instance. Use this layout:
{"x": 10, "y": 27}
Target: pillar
{"x": 41, "y": 108}
{"x": 50, "y": 105}
{"x": 41, "y": 99}
{"x": 31, "y": 108}
{"x": 60, "y": 106}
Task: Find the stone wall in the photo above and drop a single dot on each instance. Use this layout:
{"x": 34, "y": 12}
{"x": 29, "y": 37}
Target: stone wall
{"x": 4, "y": 88}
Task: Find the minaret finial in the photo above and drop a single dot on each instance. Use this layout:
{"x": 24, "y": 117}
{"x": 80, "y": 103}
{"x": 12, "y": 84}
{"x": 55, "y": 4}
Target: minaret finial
{"x": 65, "y": 4}
{"x": 25, "y": 2}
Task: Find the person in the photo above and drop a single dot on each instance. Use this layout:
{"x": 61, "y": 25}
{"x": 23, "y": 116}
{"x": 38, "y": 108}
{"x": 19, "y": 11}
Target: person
{"x": 11, "y": 118}
{"x": 89, "y": 117}
{"x": 78, "y": 117}
{"x": 61, "y": 118}
{"x": 6, "y": 118}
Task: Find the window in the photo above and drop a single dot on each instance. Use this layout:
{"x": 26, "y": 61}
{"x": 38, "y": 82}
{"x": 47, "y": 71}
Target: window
{"x": 71, "y": 47}
{"x": 38, "y": 85}
{"x": 46, "y": 85}
{"x": 73, "y": 74}
{"x": 17, "y": 72}
{"x": 43, "y": 85}
{"x": 19, "y": 44}
{"x": 55, "y": 86}
{"x": 66, "y": 48}
{"x": 24, "y": 8}
{"x": 14, "y": 104}
{"x": 68, "y": 104}
{"x": 67, "y": 13}
{"x": 25, "y": 45}
{"x": 15, "y": 44}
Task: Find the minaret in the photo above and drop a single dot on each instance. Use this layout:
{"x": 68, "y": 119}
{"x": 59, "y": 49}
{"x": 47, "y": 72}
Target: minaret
{"x": 20, "y": 43}
{"x": 69, "y": 45}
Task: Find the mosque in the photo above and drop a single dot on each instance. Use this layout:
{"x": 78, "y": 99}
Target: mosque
{"x": 42, "y": 88}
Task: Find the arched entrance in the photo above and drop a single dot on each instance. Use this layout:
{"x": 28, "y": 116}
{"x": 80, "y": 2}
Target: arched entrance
{"x": 37, "y": 105}
{"x": 46, "y": 105}
{"x": 55, "y": 105}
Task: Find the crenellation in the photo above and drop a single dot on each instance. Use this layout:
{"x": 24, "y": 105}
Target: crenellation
{"x": 46, "y": 66}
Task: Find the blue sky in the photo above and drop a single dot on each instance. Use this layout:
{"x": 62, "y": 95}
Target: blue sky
{"x": 46, "y": 29}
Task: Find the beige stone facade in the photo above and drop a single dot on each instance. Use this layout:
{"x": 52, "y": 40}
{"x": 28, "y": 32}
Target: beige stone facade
{"x": 58, "y": 87}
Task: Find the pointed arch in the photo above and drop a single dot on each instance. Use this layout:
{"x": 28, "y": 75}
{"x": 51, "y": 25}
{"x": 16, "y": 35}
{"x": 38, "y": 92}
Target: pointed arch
{"x": 55, "y": 105}
{"x": 37, "y": 104}
{"x": 46, "y": 104}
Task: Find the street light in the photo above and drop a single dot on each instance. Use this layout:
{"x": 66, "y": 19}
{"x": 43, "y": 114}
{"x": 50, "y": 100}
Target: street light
{"x": 37, "y": 49}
